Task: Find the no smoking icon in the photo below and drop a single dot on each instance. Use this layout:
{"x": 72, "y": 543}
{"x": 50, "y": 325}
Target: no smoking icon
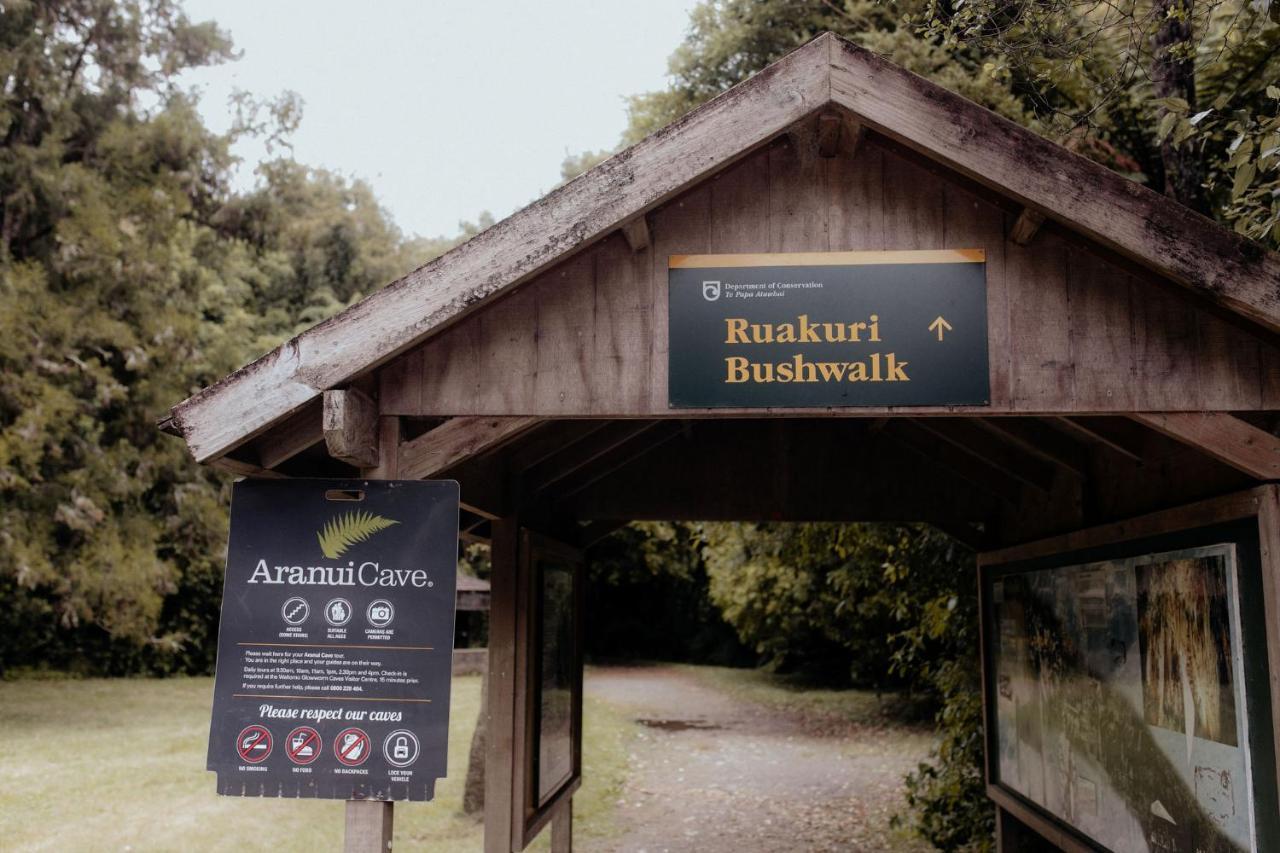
{"x": 253, "y": 744}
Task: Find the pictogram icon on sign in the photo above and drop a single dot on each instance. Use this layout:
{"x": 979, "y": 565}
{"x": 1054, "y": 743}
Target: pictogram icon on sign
{"x": 351, "y": 747}
{"x": 380, "y": 613}
{"x": 338, "y": 612}
{"x": 295, "y": 610}
{"x": 303, "y": 745}
{"x": 253, "y": 744}
{"x": 400, "y": 748}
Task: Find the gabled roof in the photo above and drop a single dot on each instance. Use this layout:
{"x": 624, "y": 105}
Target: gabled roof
{"x": 827, "y": 73}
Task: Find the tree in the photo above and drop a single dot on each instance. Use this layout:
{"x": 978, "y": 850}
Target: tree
{"x": 130, "y": 276}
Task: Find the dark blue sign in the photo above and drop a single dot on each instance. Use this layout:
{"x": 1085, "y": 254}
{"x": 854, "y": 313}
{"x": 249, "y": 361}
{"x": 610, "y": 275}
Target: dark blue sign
{"x": 828, "y": 329}
{"x": 335, "y": 645}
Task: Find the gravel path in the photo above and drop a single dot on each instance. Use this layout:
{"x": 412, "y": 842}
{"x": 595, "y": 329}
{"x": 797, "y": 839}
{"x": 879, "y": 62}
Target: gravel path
{"x": 716, "y": 774}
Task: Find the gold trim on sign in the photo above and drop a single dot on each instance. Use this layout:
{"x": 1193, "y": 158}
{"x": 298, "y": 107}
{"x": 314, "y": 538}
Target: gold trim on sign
{"x": 833, "y": 259}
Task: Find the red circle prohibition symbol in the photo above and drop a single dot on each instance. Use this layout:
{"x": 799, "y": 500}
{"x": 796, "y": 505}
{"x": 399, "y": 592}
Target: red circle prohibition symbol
{"x": 303, "y": 745}
{"x": 351, "y": 747}
{"x": 253, "y": 744}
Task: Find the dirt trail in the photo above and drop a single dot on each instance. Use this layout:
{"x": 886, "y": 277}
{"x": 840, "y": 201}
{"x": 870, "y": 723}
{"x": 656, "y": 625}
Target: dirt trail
{"x": 716, "y": 774}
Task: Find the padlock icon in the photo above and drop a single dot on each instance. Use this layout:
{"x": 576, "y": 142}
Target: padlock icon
{"x": 400, "y": 748}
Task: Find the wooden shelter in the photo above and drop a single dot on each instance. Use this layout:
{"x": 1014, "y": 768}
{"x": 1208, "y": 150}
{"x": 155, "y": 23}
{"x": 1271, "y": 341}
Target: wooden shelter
{"x": 1133, "y": 357}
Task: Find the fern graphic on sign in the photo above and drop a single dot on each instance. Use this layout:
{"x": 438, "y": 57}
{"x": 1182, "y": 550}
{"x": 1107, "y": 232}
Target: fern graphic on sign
{"x": 347, "y": 529}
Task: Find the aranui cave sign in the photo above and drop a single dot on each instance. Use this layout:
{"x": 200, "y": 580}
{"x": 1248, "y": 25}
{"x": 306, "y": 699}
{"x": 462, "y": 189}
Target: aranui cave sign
{"x": 336, "y": 637}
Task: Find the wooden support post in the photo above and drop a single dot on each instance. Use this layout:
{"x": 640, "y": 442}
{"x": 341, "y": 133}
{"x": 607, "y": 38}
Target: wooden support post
{"x": 499, "y": 770}
{"x": 368, "y": 827}
{"x": 369, "y": 822}
{"x": 562, "y": 828}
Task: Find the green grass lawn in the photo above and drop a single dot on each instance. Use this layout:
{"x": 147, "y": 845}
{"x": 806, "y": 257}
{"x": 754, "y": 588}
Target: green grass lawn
{"x": 119, "y": 765}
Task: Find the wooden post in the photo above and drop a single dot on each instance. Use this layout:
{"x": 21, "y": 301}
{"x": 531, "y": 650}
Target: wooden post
{"x": 562, "y": 828}
{"x": 369, "y": 822}
{"x": 368, "y": 826}
{"x": 499, "y": 770}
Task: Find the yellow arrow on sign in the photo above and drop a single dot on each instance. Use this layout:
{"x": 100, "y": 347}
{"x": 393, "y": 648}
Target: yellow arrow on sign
{"x": 939, "y": 325}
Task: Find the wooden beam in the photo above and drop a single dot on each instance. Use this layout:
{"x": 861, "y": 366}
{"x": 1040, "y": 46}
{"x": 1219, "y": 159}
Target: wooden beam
{"x": 1036, "y": 437}
{"x": 547, "y": 439}
{"x": 1026, "y": 226}
{"x": 968, "y": 467}
{"x": 295, "y": 434}
{"x": 1223, "y": 436}
{"x": 395, "y": 318}
{"x": 1156, "y": 232}
{"x": 577, "y": 456}
{"x": 637, "y": 233}
{"x": 992, "y": 449}
{"x": 455, "y": 440}
{"x": 643, "y": 443}
{"x": 244, "y": 469}
{"x": 1099, "y": 433}
{"x": 829, "y": 126}
{"x": 350, "y": 426}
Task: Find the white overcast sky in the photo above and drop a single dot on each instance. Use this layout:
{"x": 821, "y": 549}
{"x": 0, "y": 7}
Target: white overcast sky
{"x": 447, "y": 107}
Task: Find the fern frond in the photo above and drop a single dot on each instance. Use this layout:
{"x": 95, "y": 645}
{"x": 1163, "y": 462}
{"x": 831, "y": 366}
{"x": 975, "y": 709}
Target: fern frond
{"x": 343, "y": 531}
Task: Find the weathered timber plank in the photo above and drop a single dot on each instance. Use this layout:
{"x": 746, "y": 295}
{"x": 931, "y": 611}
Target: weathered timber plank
{"x": 797, "y": 194}
{"x": 351, "y": 427}
{"x": 395, "y": 318}
{"x": 622, "y": 328}
{"x": 1101, "y": 336}
{"x": 454, "y": 441}
{"x": 1222, "y": 436}
{"x": 1040, "y": 327}
{"x": 681, "y": 227}
{"x": 856, "y": 192}
{"x": 564, "y": 337}
{"x": 914, "y": 206}
{"x": 829, "y": 127}
{"x": 1117, "y": 213}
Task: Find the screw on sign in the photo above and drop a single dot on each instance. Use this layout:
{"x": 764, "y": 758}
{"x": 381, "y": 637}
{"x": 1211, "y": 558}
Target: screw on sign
{"x": 303, "y": 745}
{"x": 253, "y": 744}
{"x": 351, "y": 747}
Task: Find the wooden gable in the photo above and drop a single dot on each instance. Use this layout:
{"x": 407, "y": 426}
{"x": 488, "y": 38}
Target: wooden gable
{"x": 1073, "y": 328}
{"x": 1104, "y": 297}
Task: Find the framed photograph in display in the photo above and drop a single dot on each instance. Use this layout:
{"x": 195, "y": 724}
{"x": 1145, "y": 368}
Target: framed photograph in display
{"x": 1127, "y": 695}
{"x": 550, "y": 671}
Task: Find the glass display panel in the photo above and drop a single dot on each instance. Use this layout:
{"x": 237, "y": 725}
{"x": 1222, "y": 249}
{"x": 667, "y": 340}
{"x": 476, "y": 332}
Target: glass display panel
{"x": 556, "y": 656}
{"x": 1119, "y": 699}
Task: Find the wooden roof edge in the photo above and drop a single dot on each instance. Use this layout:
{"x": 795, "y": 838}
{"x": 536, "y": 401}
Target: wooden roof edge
{"x": 1113, "y": 211}
{"x": 389, "y": 321}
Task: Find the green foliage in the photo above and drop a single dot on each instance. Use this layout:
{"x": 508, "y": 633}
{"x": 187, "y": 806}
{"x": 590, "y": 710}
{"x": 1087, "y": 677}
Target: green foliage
{"x": 647, "y": 599}
{"x": 130, "y": 276}
{"x": 892, "y": 605}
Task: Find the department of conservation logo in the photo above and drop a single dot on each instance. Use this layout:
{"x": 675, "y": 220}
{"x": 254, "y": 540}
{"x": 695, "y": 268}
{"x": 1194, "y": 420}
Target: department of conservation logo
{"x": 343, "y": 531}
{"x": 711, "y": 290}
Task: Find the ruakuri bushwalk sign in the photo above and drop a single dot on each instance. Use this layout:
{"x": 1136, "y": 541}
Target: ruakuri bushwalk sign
{"x": 336, "y": 639}
{"x": 904, "y": 328}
